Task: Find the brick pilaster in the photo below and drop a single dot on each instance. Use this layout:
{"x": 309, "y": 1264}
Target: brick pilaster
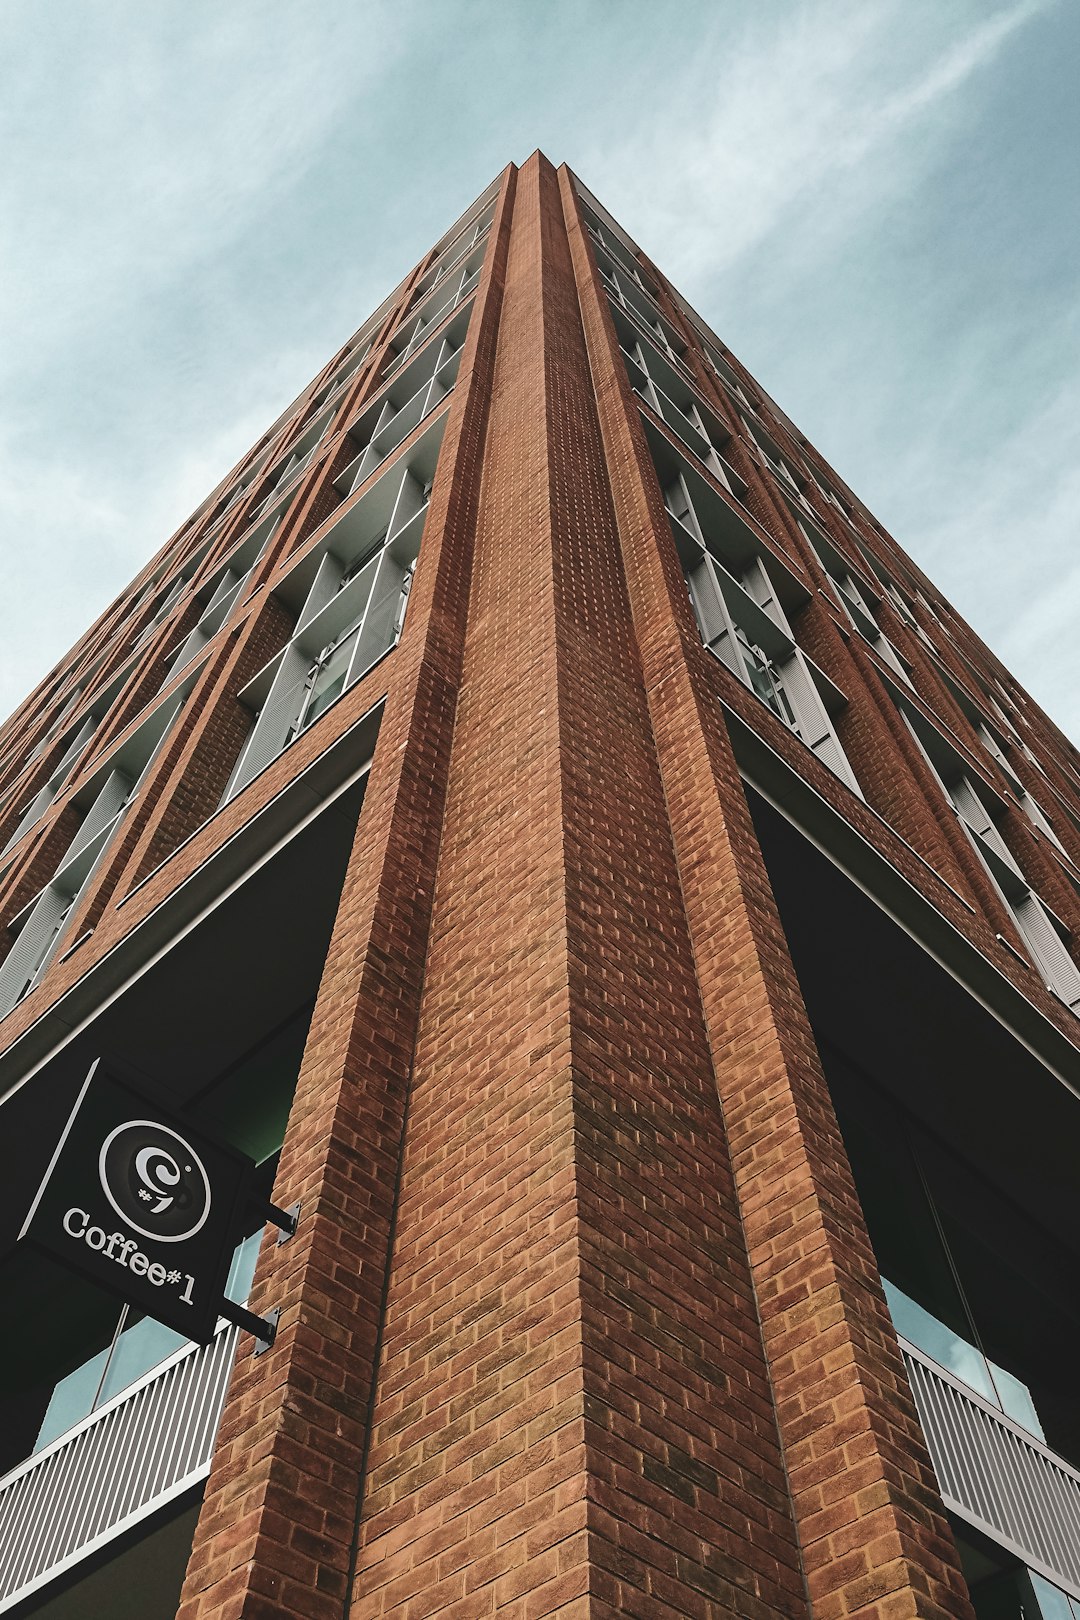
{"x": 872, "y": 1532}
{"x": 276, "y": 1531}
{"x": 572, "y": 1413}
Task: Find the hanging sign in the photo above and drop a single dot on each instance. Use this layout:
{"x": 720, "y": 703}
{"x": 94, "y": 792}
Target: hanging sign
{"x": 142, "y": 1204}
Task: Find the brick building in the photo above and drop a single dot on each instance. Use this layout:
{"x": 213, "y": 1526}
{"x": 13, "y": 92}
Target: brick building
{"x": 631, "y": 958}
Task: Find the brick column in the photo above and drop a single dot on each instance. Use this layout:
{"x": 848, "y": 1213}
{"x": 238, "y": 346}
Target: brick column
{"x": 276, "y": 1530}
{"x": 573, "y": 1413}
{"x": 873, "y": 1536}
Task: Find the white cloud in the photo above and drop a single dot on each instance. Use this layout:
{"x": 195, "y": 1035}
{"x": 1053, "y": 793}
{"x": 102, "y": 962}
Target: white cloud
{"x": 782, "y": 198}
{"x": 150, "y": 169}
{"x": 775, "y": 119}
{"x": 191, "y": 232}
{"x": 1002, "y": 546}
{"x": 150, "y": 161}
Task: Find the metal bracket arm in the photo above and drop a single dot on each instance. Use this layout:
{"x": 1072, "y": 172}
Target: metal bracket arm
{"x": 262, "y": 1328}
{"x": 284, "y": 1219}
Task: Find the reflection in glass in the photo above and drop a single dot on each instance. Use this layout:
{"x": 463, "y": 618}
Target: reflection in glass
{"x": 1053, "y": 1603}
{"x": 939, "y": 1342}
{"x": 328, "y": 683}
{"x": 72, "y": 1398}
{"x": 140, "y": 1345}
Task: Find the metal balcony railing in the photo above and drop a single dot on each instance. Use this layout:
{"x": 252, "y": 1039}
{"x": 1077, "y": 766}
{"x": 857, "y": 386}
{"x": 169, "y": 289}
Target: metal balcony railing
{"x": 995, "y": 1475}
{"x": 114, "y": 1468}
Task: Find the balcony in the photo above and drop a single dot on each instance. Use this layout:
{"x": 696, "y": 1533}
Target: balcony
{"x": 118, "y": 1466}
{"x": 389, "y": 423}
{"x": 432, "y": 313}
{"x": 996, "y": 1475}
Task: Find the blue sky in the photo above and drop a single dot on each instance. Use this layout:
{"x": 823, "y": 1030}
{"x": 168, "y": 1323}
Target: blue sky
{"x": 874, "y": 202}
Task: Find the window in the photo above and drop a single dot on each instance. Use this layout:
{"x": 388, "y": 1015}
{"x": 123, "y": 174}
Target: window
{"x": 433, "y": 309}
{"x": 1002, "y": 1587}
{"x": 40, "y": 747}
{"x": 242, "y": 487}
{"x": 853, "y": 595}
{"x": 626, "y": 288}
{"x": 901, "y": 605}
{"x": 619, "y": 253}
{"x": 136, "y": 1346}
{"x": 295, "y": 460}
{"x": 770, "y": 454}
{"x": 452, "y": 254}
{"x": 161, "y": 611}
{"x": 654, "y": 380}
{"x": 352, "y": 613}
{"x": 764, "y": 678}
{"x": 344, "y": 373}
{"x": 39, "y": 927}
{"x": 326, "y": 680}
{"x": 743, "y": 624}
{"x": 727, "y": 376}
{"x": 248, "y": 1107}
{"x": 33, "y": 812}
{"x": 413, "y": 393}
{"x": 991, "y": 743}
{"x": 221, "y": 593}
{"x": 1037, "y": 816}
{"x": 971, "y": 1280}
{"x": 41, "y": 923}
{"x": 1043, "y": 933}
{"x": 830, "y": 495}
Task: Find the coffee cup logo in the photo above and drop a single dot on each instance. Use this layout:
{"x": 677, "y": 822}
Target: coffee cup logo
{"x": 154, "y": 1180}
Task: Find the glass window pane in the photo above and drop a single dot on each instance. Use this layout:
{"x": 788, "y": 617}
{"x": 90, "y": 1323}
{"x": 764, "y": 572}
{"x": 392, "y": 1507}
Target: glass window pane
{"x": 1053, "y": 1603}
{"x": 1016, "y": 1401}
{"x": 760, "y": 679}
{"x": 329, "y": 681}
{"x": 384, "y": 616}
{"x": 242, "y": 1269}
{"x": 940, "y": 1343}
{"x": 903, "y": 1229}
{"x": 54, "y": 1362}
{"x": 72, "y": 1399}
{"x": 1014, "y": 1276}
{"x": 138, "y": 1349}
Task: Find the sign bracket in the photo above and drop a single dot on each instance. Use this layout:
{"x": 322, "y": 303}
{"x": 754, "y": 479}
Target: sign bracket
{"x": 284, "y": 1219}
{"x": 262, "y": 1328}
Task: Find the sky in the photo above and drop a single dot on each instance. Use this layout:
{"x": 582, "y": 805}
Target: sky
{"x": 873, "y": 202}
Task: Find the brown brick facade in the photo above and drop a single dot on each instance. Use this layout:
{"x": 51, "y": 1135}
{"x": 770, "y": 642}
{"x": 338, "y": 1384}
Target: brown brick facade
{"x": 582, "y": 1315}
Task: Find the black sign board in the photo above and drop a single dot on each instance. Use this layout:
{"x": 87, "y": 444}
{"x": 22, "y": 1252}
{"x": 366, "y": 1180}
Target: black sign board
{"x": 144, "y": 1205}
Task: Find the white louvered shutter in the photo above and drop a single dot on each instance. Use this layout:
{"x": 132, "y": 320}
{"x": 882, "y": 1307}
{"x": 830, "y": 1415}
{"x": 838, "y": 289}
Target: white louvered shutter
{"x": 192, "y": 643}
{"x": 714, "y": 621}
{"x": 812, "y": 719}
{"x": 756, "y": 582}
{"x": 271, "y": 729}
{"x": 30, "y": 947}
{"x": 32, "y": 813}
{"x": 678, "y": 502}
{"x": 975, "y": 815}
{"x": 113, "y": 794}
{"x": 410, "y": 499}
{"x": 60, "y": 772}
{"x": 229, "y": 581}
{"x": 1047, "y": 947}
{"x": 384, "y": 616}
{"x": 62, "y": 768}
{"x": 1037, "y": 816}
{"x": 213, "y": 617}
{"x": 324, "y": 587}
{"x": 436, "y": 389}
